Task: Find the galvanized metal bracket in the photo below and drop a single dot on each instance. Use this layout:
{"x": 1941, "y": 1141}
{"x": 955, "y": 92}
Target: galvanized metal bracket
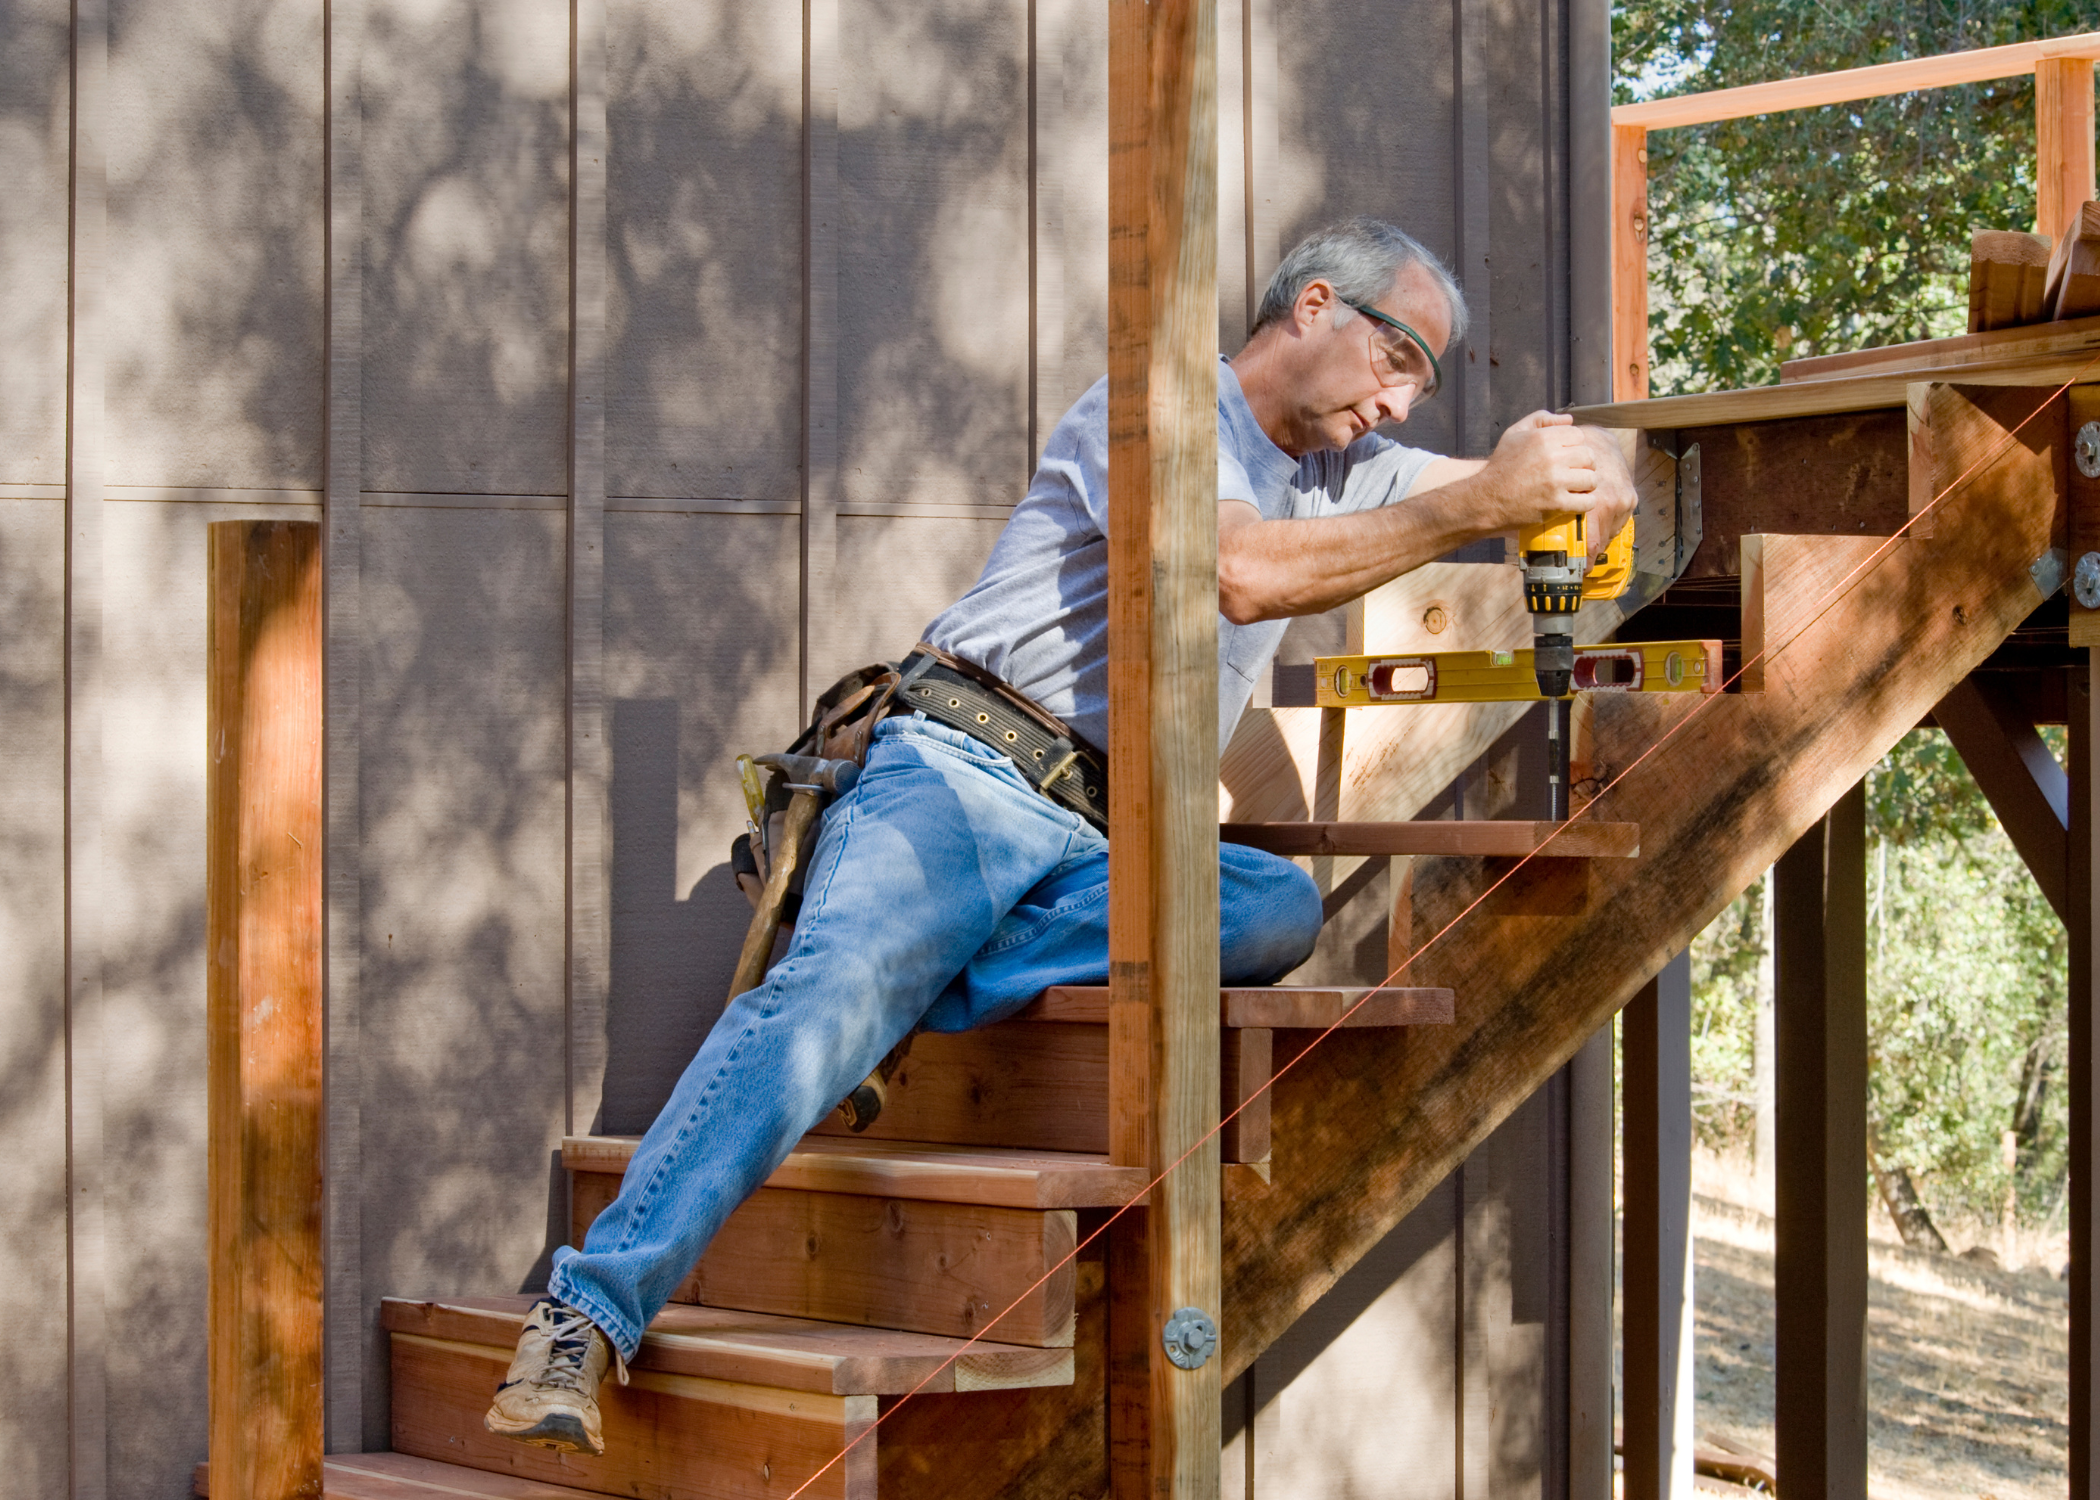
{"x": 1191, "y": 1338}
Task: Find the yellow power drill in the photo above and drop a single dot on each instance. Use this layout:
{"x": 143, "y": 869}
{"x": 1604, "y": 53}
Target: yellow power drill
{"x": 1558, "y": 577}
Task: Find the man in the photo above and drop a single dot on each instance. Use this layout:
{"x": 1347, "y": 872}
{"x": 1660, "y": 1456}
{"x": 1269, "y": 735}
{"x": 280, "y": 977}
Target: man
{"x": 966, "y": 871}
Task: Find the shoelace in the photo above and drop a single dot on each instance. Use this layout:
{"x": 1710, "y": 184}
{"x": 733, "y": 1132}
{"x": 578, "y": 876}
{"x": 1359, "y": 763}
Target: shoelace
{"x": 569, "y": 1335}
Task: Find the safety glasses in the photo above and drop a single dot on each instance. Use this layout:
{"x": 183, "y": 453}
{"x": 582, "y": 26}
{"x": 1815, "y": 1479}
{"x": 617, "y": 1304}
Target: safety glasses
{"x": 1401, "y": 361}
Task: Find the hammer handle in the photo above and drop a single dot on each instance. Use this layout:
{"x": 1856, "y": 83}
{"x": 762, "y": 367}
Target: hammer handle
{"x": 765, "y": 922}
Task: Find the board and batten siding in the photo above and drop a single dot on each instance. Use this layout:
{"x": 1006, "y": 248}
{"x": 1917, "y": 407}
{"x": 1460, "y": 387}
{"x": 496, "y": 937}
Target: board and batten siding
{"x": 649, "y": 362}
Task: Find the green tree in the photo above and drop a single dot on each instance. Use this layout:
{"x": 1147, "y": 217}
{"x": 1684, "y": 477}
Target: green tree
{"x": 1815, "y": 231}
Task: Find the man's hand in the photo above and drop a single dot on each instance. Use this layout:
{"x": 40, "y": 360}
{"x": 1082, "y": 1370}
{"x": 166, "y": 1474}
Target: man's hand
{"x": 1545, "y": 468}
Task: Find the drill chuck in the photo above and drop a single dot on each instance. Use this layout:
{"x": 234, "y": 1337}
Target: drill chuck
{"x": 1553, "y": 655}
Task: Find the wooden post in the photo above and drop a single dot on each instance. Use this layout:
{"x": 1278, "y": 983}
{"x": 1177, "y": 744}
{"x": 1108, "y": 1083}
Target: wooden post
{"x": 1163, "y": 718}
{"x": 1629, "y": 263}
{"x": 1590, "y": 1232}
{"x": 263, "y": 942}
{"x": 2063, "y": 140}
{"x": 1821, "y": 1273}
{"x": 1658, "y": 1306}
{"x": 2083, "y": 926}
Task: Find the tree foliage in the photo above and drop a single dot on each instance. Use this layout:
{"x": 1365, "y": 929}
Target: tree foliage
{"x": 1966, "y": 976}
{"x": 1815, "y": 231}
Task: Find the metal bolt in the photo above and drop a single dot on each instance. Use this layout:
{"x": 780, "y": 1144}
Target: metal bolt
{"x": 2085, "y": 581}
{"x": 1190, "y": 1337}
{"x": 2087, "y": 450}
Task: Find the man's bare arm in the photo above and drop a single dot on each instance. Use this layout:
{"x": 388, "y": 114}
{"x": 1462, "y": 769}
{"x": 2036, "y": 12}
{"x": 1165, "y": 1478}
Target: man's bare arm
{"x": 1542, "y": 468}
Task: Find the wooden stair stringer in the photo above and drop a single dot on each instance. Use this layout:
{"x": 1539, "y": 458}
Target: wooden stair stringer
{"x": 1364, "y": 1132}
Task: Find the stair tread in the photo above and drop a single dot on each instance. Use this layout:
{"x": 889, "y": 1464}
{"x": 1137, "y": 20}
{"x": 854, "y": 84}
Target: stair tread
{"x": 993, "y": 1176}
{"x": 401, "y": 1476}
{"x": 1508, "y": 838}
{"x": 1276, "y": 1006}
{"x": 765, "y": 1349}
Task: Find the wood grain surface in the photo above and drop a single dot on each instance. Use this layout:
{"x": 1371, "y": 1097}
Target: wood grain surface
{"x": 801, "y": 1354}
{"x": 1581, "y": 840}
{"x": 1278, "y": 1005}
{"x": 672, "y": 1437}
{"x": 264, "y": 1025}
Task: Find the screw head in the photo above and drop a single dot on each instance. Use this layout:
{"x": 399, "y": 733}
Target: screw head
{"x": 1190, "y": 1337}
{"x": 2085, "y": 581}
{"x": 2086, "y": 450}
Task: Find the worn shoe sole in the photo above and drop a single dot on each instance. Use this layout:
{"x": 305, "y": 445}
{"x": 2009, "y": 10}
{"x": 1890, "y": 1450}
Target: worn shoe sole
{"x": 562, "y": 1431}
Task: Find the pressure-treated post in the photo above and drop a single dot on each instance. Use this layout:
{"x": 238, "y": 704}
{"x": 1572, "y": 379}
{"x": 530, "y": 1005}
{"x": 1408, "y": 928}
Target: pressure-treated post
{"x": 1629, "y": 263}
{"x": 262, "y": 937}
{"x": 2082, "y": 924}
{"x": 1658, "y": 1264}
{"x": 2063, "y": 140}
{"x": 1820, "y": 1280}
{"x": 1163, "y": 733}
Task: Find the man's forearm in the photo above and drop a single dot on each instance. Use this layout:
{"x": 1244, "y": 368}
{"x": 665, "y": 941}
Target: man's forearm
{"x": 1273, "y": 570}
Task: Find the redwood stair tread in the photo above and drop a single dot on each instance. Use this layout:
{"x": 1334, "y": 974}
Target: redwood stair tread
{"x": 992, "y": 1176}
{"x": 402, "y": 1476}
{"x": 788, "y": 1353}
{"x": 1279, "y": 1007}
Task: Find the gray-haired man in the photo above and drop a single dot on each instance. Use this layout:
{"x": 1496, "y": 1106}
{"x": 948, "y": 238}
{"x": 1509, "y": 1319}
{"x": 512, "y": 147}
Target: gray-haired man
{"x": 949, "y": 886}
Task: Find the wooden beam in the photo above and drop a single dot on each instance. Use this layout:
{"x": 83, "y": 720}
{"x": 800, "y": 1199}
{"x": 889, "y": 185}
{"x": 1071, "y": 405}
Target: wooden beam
{"x": 1951, "y": 352}
{"x": 2081, "y": 511}
{"x": 2008, "y": 280}
{"x": 264, "y": 1036}
{"x": 1856, "y": 83}
{"x": 1163, "y": 768}
{"x": 1578, "y": 840}
{"x": 2023, "y": 782}
{"x": 1658, "y": 1267}
{"x": 2073, "y": 286}
{"x": 1841, "y": 475}
{"x": 1629, "y": 262}
{"x": 2083, "y": 930}
{"x": 1820, "y": 1276}
{"x": 2063, "y": 139}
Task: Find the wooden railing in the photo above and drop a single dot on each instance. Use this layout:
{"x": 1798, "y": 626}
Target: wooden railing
{"x": 2063, "y": 107}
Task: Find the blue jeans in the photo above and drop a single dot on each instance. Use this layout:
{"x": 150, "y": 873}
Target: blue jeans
{"x": 943, "y": 890}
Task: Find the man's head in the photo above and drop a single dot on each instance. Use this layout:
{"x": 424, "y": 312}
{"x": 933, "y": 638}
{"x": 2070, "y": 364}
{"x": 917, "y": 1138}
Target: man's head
{"x": 1349, "y": 334}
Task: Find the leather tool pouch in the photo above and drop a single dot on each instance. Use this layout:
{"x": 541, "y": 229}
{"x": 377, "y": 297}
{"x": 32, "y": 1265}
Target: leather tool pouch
{"x": 840, "y": 728}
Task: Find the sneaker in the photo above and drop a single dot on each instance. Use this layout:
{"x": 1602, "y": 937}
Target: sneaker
{"x": 550, "y": 1396}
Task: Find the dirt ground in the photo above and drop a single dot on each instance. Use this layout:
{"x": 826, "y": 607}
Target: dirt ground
{"x": 1965, "y": 1364}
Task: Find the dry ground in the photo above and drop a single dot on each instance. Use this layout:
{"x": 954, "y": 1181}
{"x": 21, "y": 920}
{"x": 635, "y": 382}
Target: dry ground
{"x": 1965, "y": 1364}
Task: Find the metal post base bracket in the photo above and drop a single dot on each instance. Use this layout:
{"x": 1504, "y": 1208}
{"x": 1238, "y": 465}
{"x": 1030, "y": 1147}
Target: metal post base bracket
{"x": 1507, "y": 676}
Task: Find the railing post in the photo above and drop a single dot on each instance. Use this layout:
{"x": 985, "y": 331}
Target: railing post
{"x": 1163, "y": 750}
{"x": 263, "y": 942}
{"x": 2063, "y": 140}
{"x": 1820, "y": 1282}
{"x": 1658, "y": 1266}
{"x": 1629, "y": 263}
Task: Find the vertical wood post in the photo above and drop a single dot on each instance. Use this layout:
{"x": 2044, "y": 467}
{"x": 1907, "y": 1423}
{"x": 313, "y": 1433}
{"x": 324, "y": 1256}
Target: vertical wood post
{"x": 1590, "y": 1229}
{"x": 2063, "y": 140}
{"x": 1658, "y": 1282}
{"x": 1821, "y": 1275}
{"x": 1629, "y": 263}
{"x": 264, "y": 1024}
{"x": 1163, "y": 717}
{"x": 2083, "y": 926}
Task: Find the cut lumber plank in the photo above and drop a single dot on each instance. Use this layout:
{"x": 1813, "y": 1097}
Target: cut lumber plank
{"x": 1365, "y": 1131}
{"x": 1873, "y": 82}
{"x": 2063, "y": 139}
{"x": 1841, "y": 475}
{"x": 402, "y": 1476}
{"x": 2074, "y": 265}
{"x": 2008, "y": 280}
{"x": 1629, "y": 262}
{"x": 1581, "y": 839}
{"x": 1020, "y": 1084}
{"x": 1243, "y": 1094}
{"x": 264, "y": 1030}
{"x": 923, "y": 1267}
{"x": 1950, "y": 353}
{"x": 1277, "y": 1007}
{"x": 670, "y": 1437}
{"x": 916, "y": 1170}
{"x": 799, "y": 1354}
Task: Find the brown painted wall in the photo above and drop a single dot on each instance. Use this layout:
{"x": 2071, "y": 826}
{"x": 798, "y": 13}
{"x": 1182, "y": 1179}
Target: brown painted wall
{"x": 854, "y": 269}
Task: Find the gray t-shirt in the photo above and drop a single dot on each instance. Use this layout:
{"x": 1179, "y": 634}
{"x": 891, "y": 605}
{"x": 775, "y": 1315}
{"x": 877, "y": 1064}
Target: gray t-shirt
{"x": 1038, "y": 614}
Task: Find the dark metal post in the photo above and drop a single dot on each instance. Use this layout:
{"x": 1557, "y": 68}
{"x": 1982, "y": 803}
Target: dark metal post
{"x": 1821, "y": 1024}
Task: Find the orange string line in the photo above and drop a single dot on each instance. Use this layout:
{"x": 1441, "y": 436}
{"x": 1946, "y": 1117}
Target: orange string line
{"x": 1829, "y": 601}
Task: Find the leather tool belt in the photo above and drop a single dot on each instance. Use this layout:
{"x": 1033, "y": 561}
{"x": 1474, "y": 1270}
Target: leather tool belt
{"x": 962, "y": 695}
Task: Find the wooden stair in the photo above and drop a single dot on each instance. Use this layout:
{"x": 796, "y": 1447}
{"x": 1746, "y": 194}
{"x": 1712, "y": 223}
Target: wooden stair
{"x": 857, "y": 1273}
